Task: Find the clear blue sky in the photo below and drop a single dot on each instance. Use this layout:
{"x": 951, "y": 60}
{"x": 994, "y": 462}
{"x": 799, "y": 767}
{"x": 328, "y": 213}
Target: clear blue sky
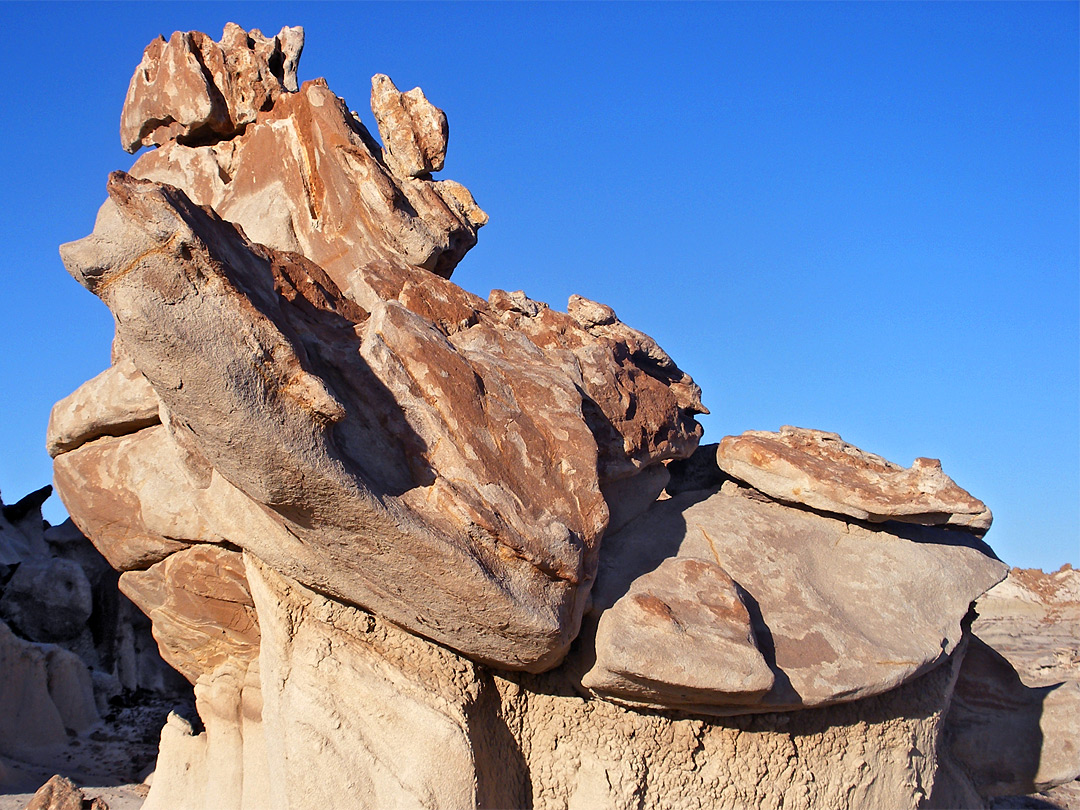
{"x": 858, "y": 217}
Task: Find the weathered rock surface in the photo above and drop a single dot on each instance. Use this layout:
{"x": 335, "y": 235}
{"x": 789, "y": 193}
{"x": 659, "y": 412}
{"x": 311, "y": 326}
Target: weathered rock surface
{"x": 202, "y": 611}
{"x": 259, "y": 340}
{"x": 826, "y": 597}
{"x": 413, "y": 130}
{"x": 1012, "y": 739}
{"x": 116, "y": 402}
{"x": 59, "y": 793}
{"x": 822, "y": 471}
{"x": 410, "y": 723}
{"x": 367, "y": 511}
{"x": 47, "y": 599}
{"x": 192, "y": 89}
{"x": 1032, "y": 619}
{"x": 681, "y": 636}
{"x": 407, "y": 428}
{"x": 309, "y": 178}
{"x": 1015, "y": 720}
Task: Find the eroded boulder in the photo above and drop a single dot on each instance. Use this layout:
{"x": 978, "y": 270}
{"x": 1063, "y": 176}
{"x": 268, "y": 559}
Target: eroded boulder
{"x": 48, "y": 599}
{"x": 367, "y": 510}
{"x": 201, "y": 607}
{"x": 825, "y": 597}
{"x": 384, "y": 439}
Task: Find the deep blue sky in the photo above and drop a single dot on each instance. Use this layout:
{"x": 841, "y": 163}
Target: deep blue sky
{"x": 858, "y": 217}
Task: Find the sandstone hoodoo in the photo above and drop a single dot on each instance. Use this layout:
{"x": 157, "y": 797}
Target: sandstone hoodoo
{"x": 413, "y": 547}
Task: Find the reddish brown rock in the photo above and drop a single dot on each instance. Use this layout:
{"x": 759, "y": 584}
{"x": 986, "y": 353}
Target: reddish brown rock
{"x": 413, "y": 130}
{"x": 191, "y": 89}
{"x": 822, "y": 471}
{"x": 308, "y": 177}
{"x": 132, "y": 496}
{"x": 439, "y": 465}
{"x": 59, "y": 793}
{"x": 200, "y": 604}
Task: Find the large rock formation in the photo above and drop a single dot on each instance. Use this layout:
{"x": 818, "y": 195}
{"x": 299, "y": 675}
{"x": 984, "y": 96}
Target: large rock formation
{"x": 369, "y": 513}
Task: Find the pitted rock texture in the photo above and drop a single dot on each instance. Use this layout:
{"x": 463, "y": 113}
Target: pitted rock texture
{"x": 414, "y": 131}
{"x": 822, "y": 471}
{"x": 192, "y": 89}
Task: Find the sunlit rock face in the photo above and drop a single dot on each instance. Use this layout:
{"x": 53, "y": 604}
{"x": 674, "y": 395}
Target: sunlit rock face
{"x": 288, "y": 344}
{"x": 413, "y": 547}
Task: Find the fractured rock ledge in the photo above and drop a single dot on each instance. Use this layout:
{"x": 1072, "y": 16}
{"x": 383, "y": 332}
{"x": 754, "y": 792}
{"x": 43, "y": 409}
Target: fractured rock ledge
{"x": 820, "y": 470}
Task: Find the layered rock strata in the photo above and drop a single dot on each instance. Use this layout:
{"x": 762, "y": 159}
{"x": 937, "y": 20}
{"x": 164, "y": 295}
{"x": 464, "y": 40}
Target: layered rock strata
{"x": 370, "y": 513}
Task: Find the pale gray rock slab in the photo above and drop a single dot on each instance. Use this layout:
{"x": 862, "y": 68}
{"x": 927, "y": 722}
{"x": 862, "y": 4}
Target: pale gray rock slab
{"x": 681, "y": 636}
{"x": 840, "y": 611}
{"x": 820, "y": 470}
{"x": 116, "y": 402}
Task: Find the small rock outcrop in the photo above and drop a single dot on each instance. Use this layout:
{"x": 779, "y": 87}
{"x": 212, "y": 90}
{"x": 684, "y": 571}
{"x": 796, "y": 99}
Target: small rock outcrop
{"x": 417, "y": 548}
{"x": 414, "y": 131}
{"x": 59, "y": 793}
